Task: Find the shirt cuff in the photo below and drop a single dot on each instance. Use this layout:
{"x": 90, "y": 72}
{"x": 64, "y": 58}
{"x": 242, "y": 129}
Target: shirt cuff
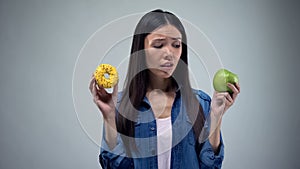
{"x": 114, "y": 156}
{"x": 117, "y": 150}
{"x": 209, "y": 158}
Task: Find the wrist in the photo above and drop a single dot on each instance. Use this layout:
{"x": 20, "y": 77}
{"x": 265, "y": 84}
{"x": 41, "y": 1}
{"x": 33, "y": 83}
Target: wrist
{"x": 110, "y": 120}
{"x": 215, "y": 121}
{"x": 109, "y": 116}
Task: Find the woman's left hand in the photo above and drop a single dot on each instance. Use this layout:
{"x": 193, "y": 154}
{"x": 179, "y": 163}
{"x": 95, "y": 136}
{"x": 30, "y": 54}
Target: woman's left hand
{"x": 222, "y": 101}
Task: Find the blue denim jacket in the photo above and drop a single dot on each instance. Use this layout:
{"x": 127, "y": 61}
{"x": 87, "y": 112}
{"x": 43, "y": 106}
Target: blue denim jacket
{"x": 183, "y": 153}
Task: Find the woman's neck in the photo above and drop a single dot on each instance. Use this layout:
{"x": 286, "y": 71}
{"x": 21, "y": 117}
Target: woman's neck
{"x": 159, "y": 83}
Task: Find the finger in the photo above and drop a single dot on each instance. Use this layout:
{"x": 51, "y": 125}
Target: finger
{"x": 99, "y": 92}
{"x": 238, "y": 87}
{"x": 216, "y": 94}
{"x": 235, "y": 90}
{"x": 233, "y": 87}
{"x": 228, "y": 97}
{"x": 102, "y": 91}
{"x": 94, "y": 90}
{"x": 234, "y": 95}
{"x": 222, "y": 94}
{"x": 91, "y": 84}
{"x": 98, "y": 87}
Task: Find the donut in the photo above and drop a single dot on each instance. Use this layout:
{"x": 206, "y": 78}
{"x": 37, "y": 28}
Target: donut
{"x": 102, "y": 80}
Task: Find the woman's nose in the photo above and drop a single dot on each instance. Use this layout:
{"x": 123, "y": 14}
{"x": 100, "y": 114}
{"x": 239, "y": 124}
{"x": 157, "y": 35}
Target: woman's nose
{"x": 168, "y": 53}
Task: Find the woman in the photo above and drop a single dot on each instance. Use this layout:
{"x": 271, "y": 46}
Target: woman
{"x": 158, "y": 120}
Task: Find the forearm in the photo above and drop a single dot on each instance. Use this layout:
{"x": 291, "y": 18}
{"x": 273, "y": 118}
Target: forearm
{"x": 110, "y": 133}
{"x": 215, "y": 132}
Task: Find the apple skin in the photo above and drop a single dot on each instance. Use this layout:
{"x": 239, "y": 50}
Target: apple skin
{"x": 221, "y": 78}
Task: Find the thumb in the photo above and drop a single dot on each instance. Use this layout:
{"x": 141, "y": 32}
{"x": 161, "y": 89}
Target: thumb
{"x": 115, "y": 93}
{"x": 115, "y": 89}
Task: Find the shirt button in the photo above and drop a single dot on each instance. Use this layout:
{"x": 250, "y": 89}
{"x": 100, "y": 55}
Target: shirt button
{"x": 152, "y": 128}
{"x": 153, "y": 152}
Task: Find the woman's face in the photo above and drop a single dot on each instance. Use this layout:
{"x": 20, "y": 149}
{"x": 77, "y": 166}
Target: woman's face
{"x": 163, "y": 50}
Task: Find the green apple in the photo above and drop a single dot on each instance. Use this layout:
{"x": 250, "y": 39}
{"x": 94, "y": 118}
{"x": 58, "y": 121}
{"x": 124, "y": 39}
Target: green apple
{"x": 221, "y": 78}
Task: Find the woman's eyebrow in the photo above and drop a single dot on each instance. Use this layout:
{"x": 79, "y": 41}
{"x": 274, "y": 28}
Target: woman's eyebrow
{"x": 176, "y": 38}
{"x": 164, "y": 38}
{"x": 159, "y": 39}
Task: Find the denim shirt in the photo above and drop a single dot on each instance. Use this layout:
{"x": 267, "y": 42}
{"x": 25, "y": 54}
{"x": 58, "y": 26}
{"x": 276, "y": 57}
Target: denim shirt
{"x": 183, "y": 153}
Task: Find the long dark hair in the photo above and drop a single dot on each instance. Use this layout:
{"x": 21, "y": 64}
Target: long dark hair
{"x": 135, "y": 86}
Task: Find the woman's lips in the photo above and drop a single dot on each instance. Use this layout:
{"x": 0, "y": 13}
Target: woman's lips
{"x": 167, "y": 67}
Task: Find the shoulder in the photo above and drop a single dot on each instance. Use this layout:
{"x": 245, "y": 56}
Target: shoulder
{"x": 204, "y": 99}
{"x": 201, "y": 95}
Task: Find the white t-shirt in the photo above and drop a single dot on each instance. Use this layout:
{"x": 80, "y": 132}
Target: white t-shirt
{"x": 164, "y": 142}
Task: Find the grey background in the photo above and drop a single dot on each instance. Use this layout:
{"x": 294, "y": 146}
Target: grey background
{"x": 40, "y": 42}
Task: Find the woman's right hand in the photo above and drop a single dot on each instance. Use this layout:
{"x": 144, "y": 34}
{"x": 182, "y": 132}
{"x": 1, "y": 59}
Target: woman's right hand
{"x": 106, "y": 102}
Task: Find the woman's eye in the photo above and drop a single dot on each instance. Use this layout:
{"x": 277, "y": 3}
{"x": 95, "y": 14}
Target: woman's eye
{"x": 176, "y": 45}
{"x": 158, "y": 46}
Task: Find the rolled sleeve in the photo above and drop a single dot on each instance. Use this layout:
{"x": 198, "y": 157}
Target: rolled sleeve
{"x": 114, "y": 158}
{"x": 208, "y": 159}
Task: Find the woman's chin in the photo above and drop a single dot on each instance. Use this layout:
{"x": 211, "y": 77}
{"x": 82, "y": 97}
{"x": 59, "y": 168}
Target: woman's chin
{"x": 162, "y": 73}
{"x": 165, "y": 75}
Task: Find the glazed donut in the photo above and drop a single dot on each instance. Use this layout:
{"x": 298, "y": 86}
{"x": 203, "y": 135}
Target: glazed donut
{"x": 106, "y": 82}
